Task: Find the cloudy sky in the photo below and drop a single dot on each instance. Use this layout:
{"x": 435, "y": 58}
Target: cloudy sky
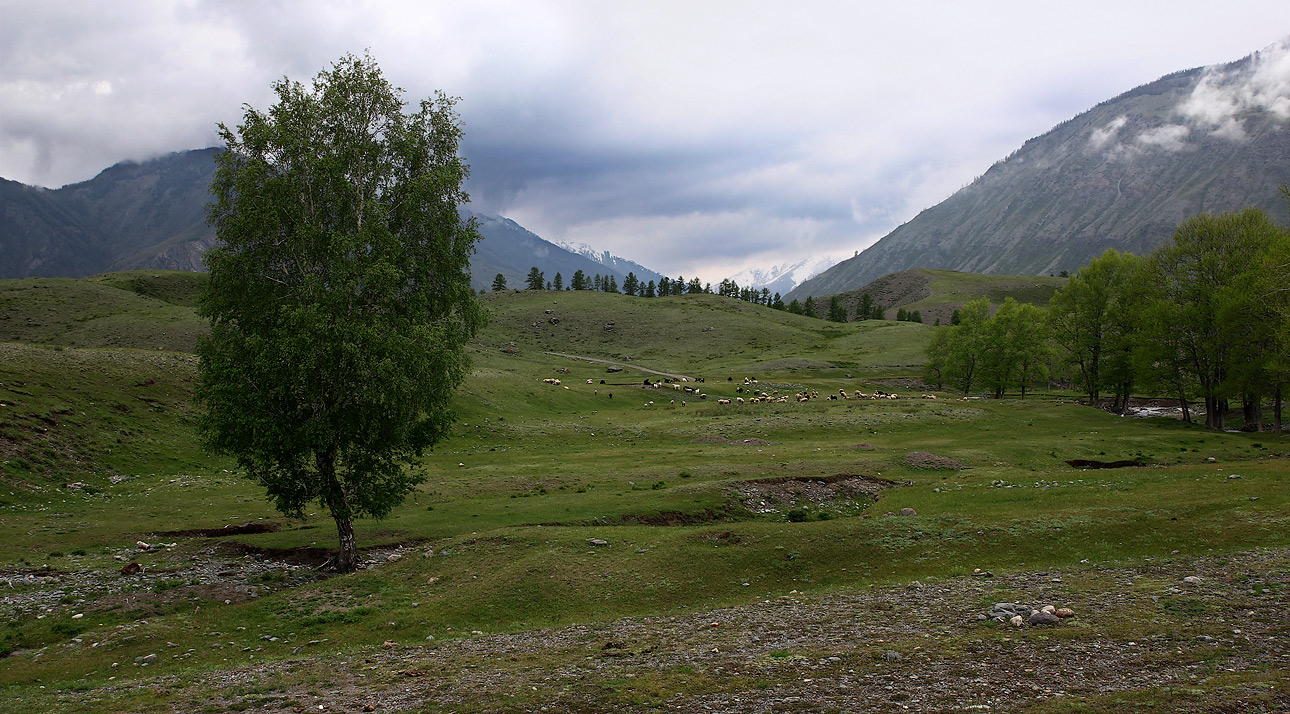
{"x": 692, "y": 137}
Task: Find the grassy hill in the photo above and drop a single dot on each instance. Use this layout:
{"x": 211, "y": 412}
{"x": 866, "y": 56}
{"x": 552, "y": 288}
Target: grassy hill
{"x": 936, "y": 294}
{"x": 151, "y": 310}
{"x": 699, "y": 505}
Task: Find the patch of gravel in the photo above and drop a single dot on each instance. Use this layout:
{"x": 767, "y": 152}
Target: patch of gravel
{"x": 928, "y": 460}
{"x": 218, "y": 572}
{"x": 724, "y": 440}
{"x": 909, "y": 647}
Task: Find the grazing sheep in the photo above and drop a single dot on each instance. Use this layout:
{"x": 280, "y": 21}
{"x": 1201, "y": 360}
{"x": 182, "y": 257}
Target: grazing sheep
{"x": 723, "y": 401}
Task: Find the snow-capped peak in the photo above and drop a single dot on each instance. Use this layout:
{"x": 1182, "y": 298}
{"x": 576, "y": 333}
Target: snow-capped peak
{"x": 784, "y": 277}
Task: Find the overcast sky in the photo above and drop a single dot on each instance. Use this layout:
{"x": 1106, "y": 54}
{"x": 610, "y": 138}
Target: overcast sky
{"x": 692, "y": 137}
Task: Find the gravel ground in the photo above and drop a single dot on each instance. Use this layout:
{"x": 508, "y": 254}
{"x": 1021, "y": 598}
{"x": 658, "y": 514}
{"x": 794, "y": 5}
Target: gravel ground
{"x": 1142, "y": 638}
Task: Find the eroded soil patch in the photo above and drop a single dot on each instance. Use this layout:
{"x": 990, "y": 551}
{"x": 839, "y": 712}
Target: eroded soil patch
{"x": 783, "y": 493}
{"x": 928, "y": 460}
{"x": 1093, "y": 464}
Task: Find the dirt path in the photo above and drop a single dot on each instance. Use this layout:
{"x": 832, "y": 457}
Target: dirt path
{"x": 624, "y": 365}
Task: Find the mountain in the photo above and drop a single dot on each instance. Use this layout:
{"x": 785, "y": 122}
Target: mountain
{"x": 614, "y": 263}
{"x": 151, "y": 215}
{"x": 513, "y": 250}
{"x": 1122, "y": 175}
{"x": 132, "y": 215}
{"x": 784, "y": 277}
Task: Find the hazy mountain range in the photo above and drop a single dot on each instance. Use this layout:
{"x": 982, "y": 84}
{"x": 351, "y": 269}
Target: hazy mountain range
{"x": 1122, "y": 175}
{"x": 152, "y": 215}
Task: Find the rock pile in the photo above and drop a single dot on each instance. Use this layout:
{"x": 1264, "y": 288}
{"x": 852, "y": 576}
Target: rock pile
{"x": 1017, "y": 614}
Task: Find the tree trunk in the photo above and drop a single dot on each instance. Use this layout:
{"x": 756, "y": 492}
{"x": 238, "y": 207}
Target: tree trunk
{"x": 1252, "y": 411}
{"x": 1276, "y": 410}
{"x": 1215, "y": 413}
{"x": 338, "y": 504}
{"x": 1182, "y": 400}
{"x": 347, "y": 558}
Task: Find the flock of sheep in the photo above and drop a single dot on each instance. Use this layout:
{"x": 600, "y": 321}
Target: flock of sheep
{"x": 750, "y": 385}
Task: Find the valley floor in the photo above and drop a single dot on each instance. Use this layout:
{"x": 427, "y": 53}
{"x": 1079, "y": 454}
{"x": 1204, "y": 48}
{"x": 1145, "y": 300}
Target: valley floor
{"x": 1142, "y": 639}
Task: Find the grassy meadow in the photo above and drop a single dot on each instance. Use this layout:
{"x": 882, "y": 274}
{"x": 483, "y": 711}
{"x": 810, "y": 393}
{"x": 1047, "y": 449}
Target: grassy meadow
{"x": 99, "y": 452}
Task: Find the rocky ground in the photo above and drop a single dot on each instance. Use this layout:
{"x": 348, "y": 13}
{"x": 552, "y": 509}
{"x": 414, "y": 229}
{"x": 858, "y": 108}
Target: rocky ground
{"x": 1177, "y": 635}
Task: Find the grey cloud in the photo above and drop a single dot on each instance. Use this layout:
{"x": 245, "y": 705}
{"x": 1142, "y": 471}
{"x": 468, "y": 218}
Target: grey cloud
{"x": 693, "y": 135}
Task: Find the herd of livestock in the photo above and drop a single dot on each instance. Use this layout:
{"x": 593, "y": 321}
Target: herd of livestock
{"x": 750, "y": 387}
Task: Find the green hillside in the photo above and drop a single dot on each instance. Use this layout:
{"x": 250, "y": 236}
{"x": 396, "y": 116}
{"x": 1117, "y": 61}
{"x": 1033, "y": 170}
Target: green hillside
{"x": 151, "y": 310}
{"x": 936, "y": 294}
{"x": 553, "y": 512}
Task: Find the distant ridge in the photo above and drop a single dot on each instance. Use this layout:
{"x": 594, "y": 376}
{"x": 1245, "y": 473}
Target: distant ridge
{"x": 1122, "y": 175}
{"x": 616, "y": 264}
{"x": 152, "y": 215}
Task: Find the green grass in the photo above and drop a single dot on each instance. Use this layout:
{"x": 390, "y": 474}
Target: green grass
{"x": 534, "y": 471}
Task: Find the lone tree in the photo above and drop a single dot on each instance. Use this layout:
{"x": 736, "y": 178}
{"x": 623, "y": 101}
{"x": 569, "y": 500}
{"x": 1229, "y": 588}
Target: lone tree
{"x": 339, "y": 295}
{"x": 499, "y": 282}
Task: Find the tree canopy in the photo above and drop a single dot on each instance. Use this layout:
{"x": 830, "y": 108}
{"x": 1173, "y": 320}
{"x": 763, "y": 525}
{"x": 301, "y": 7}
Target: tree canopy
{"x": 339, "y": 294}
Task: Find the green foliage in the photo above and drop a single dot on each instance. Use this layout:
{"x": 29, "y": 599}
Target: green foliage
{"x": 499, "y": 283}
{"x": 1217, "y": 297}
{"x": 836, "y": 313}
{"x": 339, "y": 294}
{"x": 535, "y": 280}
{"x": 1094, "y": 318}
{"x": 579, "y": 281}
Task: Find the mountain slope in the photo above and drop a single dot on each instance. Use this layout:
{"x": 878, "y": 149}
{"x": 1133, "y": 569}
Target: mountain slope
{"x": 152, "y": 215}
{"x": 1122, "y": 175}
{"x": 616, "y": 264}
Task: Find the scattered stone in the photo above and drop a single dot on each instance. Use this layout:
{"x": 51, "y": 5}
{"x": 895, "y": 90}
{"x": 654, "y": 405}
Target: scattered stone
{"x": 1003, "y": 611}
{"x": 1050, "y": 609}
{"x": 891, "y": 656}
{"x": 1017, "y": 621}
{"x": 132, "y": 568}
{"x": 1064, "y": 612}
{"x": 141, "y": 545}
{"x": 433, "y": 579}
{"x": 1231, "y": 476}
{"x": 597, "y": 541}
{"x": 145, "y": 659}
{"x": 389, "y": 644}
{"x": 1211, "y": 460}
{"x": 1041, "y": 617}
{"x": 1191, "y": 580}
{"x": 977, "y": 572}
{"x": 907, "y": 511}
